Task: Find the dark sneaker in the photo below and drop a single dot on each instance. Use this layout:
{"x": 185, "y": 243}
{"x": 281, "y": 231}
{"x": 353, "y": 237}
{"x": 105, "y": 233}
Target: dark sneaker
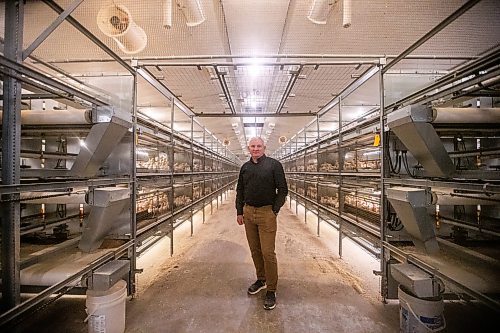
{"x": 270, "y": 300}
{"x": 256, "y": 287}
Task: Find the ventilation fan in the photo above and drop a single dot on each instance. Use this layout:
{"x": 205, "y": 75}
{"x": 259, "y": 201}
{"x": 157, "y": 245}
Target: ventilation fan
{"x": 116, "y": 22}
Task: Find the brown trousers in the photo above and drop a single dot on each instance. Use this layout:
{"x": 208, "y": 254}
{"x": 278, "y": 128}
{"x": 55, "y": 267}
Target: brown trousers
{"x": 260, "y": 228}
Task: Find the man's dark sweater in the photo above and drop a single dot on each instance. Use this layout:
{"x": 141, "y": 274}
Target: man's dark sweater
{"x": 261, "y": 184}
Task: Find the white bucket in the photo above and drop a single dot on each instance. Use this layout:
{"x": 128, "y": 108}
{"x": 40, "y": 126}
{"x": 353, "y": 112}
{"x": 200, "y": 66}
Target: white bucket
{"x": 417, "y": 315}
{"x": 106, "y": 309}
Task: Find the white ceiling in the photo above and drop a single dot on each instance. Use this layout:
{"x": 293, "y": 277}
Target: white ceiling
{"x": 279, "y": 34}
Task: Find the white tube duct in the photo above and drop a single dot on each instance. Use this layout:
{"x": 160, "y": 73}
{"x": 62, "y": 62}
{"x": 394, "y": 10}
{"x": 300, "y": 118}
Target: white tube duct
{"x": 53, "y": 198}
{"x": 466, "y": 115}
{"x": 167, "y": 14}
{"x": 347, "y": 13}
{"x": 116, "y": 22}
{"x": 193, "y": 12}
{"x": 51, "y": 117}
{"x": 443, "y": 196}
{"x": 320, "y": 9}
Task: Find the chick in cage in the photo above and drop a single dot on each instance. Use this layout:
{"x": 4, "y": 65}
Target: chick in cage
{"x": 328, "y": 167}
{"x": 182, "y": 200}
{"x": 182, "y": 167}
{"x": 329, "y": 201}
{"x": 197, "y": 192}
{"x": 152, "y": 204}
{"x": 312, "y": 165}
{"x": 197, "y": 165}
{"x": 160, "y": 162}
{"x": 363, "y": 203}
{"x": 312, "y": 192}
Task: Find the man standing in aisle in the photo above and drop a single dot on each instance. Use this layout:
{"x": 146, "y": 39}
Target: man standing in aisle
{"x": 260, "y": 193}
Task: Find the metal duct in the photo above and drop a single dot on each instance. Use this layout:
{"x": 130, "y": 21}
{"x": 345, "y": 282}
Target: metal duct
{"x": 443, "y": 196}
{"x": 53, "y": 197}
{"x": 412, "y": 127}
{"x": 54, "y": 117}
{"x": 466, "y": 115}
{"x": 100, "y": 142}
{"x": 107, "y": 204}
{"x": 411, "y": 205}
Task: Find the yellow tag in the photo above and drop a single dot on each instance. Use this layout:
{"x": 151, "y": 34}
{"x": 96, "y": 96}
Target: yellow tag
{"x": 376, "y": 140}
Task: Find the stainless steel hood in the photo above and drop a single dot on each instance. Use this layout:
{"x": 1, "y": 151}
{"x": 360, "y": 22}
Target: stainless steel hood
{"x": 411, "y": 206}
{"x": 100, "y": 142}
{"x": 107, "y": 205}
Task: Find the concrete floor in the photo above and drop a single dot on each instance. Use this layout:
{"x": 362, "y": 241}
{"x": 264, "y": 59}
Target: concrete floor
{"x": 202, "y": 288}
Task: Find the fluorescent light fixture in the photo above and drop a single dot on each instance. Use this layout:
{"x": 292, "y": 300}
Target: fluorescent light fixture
{"x": 193, "y": 12}
{"x": 320, "y": 9}
{"x": 234, "y": 125}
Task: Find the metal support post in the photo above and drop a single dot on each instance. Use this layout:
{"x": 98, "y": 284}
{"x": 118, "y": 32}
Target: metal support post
{"x": 383, "y": 171}
{"x": 340, "y": 161}
{"x": 192, "y": 175}
{"x": 11, "y": 153}
{"x": 133, "y": 192}
{"x": 172, "y": 155}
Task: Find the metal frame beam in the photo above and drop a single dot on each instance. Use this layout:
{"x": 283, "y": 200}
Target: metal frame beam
{"x": 90, "y": 36}
{"x": 289, "y": 87}
{"x": 253, "y": 115}
{"x": 11, "y": 152}
{"x": 17, "y": 70}
{"x": 225, "y": 89}
{"x": 450, "y": 19}
{"x": 39, "y": 40}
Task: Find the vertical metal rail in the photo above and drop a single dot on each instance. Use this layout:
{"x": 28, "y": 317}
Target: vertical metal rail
{"x": 212, "y": 178}
{"x": 204, "y": 173}
{"x": 383, "y": 267}
{"x": 192, "y": 174}
{"x": 296, "y": 196}
{"x": 133, "y": 191}
{"x": 172, "y": 154}
{"x": 317, "y": 168}
{"x": 11, "y": 153}
{"x": 304, "y": 175}
{"x": 340, "y": 168}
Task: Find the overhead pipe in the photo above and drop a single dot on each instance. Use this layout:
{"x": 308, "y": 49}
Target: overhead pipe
{"x": 51, "y": 117}
{"x": 273, "y": 56}
{"x": 53, "y": 197}
{"x": 466, "y": 115}
{"x": 447, "y": 196}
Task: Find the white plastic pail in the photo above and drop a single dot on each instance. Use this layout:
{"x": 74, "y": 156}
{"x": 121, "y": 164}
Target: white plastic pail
{"x": 418, "y": 315}
{"x": 106, "y": 309}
